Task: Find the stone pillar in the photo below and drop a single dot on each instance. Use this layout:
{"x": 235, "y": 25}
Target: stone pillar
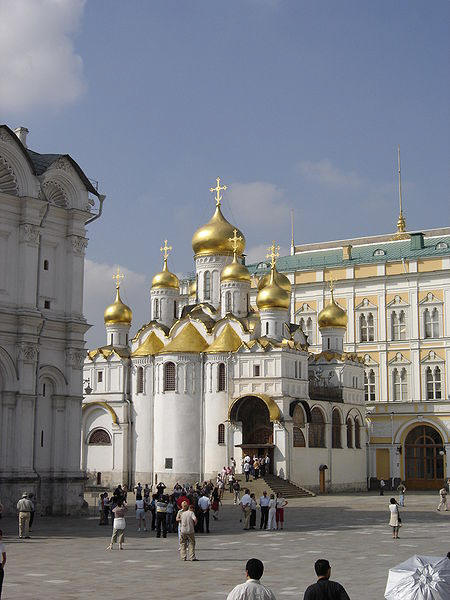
{"x": 28, "y": 265}
{"x": 60, "y": 442}
{"x": 7, "y": 429}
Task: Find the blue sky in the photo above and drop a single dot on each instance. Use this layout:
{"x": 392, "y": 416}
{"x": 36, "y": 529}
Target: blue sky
{"x": 294, "y": 104}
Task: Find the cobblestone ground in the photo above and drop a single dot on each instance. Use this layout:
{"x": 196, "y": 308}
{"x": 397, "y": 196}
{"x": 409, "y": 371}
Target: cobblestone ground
{"x": 66, "y": 558}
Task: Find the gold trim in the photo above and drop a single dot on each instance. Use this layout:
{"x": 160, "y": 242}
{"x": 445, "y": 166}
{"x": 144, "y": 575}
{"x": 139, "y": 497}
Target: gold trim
{"x": 274, "y": 411}
{"x": 112, "y": 412}
{"x": 227, "y": 341}
{"x": 152, "y": 345}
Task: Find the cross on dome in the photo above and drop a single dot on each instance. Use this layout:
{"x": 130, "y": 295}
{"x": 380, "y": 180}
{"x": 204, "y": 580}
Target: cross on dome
{"x": 166, "y": 250}
{"x": 331, "y": 283}
{"x": 235, "y": 240}
{"x": 274, "y": 253}
{"x": 218, "y": 189}
{"x": 118, "y": 276}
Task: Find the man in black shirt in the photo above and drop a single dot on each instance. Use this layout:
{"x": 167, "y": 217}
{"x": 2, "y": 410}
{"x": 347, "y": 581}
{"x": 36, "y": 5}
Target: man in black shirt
{"x": 325, "y": 589}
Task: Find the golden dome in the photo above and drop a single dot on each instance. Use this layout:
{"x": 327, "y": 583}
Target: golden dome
{"x": 118, "y": 312}
{"x": 192, "y": 289}
{"x": 235, "y": 271}
{"x": 281, "y": 279}
{"x": 273, "y": 295}
{"x": 213, "y": 238}
{"x": 165, "y": 279}
{"x": 332, "y": 315}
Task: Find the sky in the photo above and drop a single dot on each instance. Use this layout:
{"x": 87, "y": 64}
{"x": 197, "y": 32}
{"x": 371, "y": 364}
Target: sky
{"x": 294, "y": 104}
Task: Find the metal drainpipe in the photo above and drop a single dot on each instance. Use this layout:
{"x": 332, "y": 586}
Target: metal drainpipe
{"x": 101, "y": 199}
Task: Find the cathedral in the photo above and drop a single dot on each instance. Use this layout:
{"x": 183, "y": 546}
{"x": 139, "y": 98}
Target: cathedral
{"x": 219, "y": 372}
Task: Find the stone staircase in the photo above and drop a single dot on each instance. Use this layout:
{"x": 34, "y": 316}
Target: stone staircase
{"x": 272, "y": 485}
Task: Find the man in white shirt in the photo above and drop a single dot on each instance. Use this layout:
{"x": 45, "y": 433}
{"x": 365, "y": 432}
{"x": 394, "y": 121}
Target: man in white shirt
{"x": 264, "y": 505}
{"x": 187, "y": 520}
{"x": 245, "y": 504}
{"x": 204, "y": 505}
{"x": 252, "y": 589}
{"x": 247, "y": 470}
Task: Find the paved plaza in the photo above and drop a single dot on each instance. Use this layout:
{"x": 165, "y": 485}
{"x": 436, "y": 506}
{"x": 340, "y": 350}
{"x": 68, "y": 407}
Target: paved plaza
{"x": 66, "y": 558}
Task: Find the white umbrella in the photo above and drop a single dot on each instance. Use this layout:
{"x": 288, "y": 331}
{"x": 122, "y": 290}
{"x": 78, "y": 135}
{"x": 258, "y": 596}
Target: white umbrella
{"x": 419, "y": 578}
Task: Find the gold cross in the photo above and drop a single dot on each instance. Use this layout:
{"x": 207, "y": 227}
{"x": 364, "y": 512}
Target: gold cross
{"x": 118, "y": 276}
{"x": 274, "y": 252}
{"x": 166, "y": 250}
{"x": 331, "y": 283}
{"x": 218, "y": 189}
{"x": 234, "y": 240}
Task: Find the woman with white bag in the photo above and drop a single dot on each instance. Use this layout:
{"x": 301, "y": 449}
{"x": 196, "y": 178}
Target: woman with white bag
{"x": 118, "y": 525}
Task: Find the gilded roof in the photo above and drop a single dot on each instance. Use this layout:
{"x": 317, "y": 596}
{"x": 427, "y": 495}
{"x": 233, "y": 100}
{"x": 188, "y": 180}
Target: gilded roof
{"x": 151, "y": 345}
{"x": 213, "y": 237}
{"x": 227, "y": 341}
{"x": 332, "y": 315}
{"x": 118, "y": 312}
{"x": 188, "y": 340}
{"x": 106, "y": 351}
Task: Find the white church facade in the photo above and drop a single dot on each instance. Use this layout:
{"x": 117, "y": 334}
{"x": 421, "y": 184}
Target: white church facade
{"x": 211, "y": 377}
{"x": 46, "y": 202}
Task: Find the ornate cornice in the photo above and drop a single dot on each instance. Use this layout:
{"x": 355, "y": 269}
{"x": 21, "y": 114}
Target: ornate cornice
{"x": 79, "y": 244}
{"x": 29, "y": 233}
{"x": 75, "y": 358}
{"x": 27, "y": 351}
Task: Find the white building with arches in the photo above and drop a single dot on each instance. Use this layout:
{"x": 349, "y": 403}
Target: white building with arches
{"x": 46, "y": 202}
{"x": 212, "y": 376}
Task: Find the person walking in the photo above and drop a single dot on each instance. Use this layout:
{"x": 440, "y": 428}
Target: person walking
{"x": 252, "y": 589}
{"x": 230, "y": 478}
{"x": 247, "y": 470}
{"x": 233, "y": 465}
{"x": 325, "y": 588}
{"x": 280, "y": 504}
{"x": 2, "y": 561}
{"x": 24, "y": 507}
{"x": 382, "y": 486}
{"x": 161, "y": 518}
{"x": 256, "y": 468}
{"x": 253, "y": 513}
{"x": 395, "y": 519}
{"x": 401, "y": 489}
{"x": 272, "y": 524}
{"x": 264, "y": 506}
{"x": 106, "y": 507}
{"x": 267, "y": 465}
{"x": 119, "y": 524}
{"x": 215, "y": 503}
{"x": 187, "y": 520}
{"x": 140, "y": 512}
{"x": 237, "y": 492}
{"x": 147, "y": 491}
{"x": 443, "y": 499}
{"x": 245, "y": 506}
{"x": 204, "y": 504}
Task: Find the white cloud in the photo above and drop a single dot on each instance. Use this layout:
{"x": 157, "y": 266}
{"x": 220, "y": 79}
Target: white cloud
{"x": 325, "y": 173}
{"x": 38, "y": 64}
{"x": 99, "y": 293}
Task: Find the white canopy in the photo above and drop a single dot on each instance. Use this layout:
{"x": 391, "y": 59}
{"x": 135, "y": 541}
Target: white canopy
{"x": 419, "y": 578}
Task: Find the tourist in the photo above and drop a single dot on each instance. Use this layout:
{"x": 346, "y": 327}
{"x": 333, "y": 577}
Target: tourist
{"x": 24, "y": 507}
{"x": 221, "y": 487}
{"x": 118, "y": 534}
{"x": 230, "y": 478}
{"x": 187, "y": 521}
{"x": 252, "y": 589}
{"x": 443, "y": 499}
{"x": 33, "y": 511}
{"x": 280, "y": 504}
{"x": 325, "y": 589}
{"x": 395, "y": 519}
{"x": 147, "y": 491}
{"x": 264, "y": 506}
{"x": 140, "y": 512}
{"x": 101, "y": 509}
{"x": 138, "y": 490}
{"x": 256, "y": 468}
{"x": 253, "y": 513}
{"x": 262, "y": 466}
{"x": 147, "y": 513}
{"x": 247, "y": 470}
{"x": 233, "y": 466}
{"x": 170, "y": 514}
{"x": 204, "y": 504}
{"x": 246, "y": 509}
{"x": 2, "y": 562}
{"x": 272, "y": 523}
{"x": 160, "y": 489}
{"x": 382, "y": 486}
{"x": 161, "y": 518}
{"x": 401, "y": 489}
{"x": 215, "y": 503}
{"x": 237, "y": 492}
{"x": 267, "y": 464}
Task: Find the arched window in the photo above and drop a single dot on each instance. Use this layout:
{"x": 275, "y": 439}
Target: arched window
{"x": 433, "y": 378}
{"x": 207, "y": 286}
{"x": 336, "y": 430}
{"x": 221, "y": 378}
{"x": 99, "y": 437}
{"x": 140, "y": 380}
{"x": 349, "y": 425}
{"x": 431, "y": 323}
{"x": 398, "y": 325}
{"x": 227, "y": 302}
{"x": 169, "y": 377}
{"x": 357, "y": 433}
{"x": 45, "y": 265}
{"x": 156, "y": 308}
{"x": 306, "y": 325}
{"x": 369, "y": 386}
{"x": 317, "y": 429}
{"x": 221, "y": 434}
{"x": 298, "y": 437}
{"x": 400, "y": 384}
{"x": 267, "y": 327}
{"x": 363, "y": 328}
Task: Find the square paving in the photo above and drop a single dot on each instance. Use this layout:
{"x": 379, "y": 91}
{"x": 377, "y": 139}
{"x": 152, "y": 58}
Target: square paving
{"x": 66, "y": 557}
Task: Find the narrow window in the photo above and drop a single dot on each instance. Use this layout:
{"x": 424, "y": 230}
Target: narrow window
{"x": 45, "y": 265}
{"x": 221, "y": 434}
{"x": 369, "y": 386}
{"x": 336, "y": 430}
{"x": 256, "y": 370}
{"x": 207, "y": 286}
{"x": 111, "y": 339}
{"x": 370, "y": 328}
{"x": 349, "y": 433}
{"x": 363, "y": 328}
{"x": 221, "y": 378}
{"x": 100, "y": 377}
{"x": 169, "y": 377}
{"x": 400, "y": 385}
{"x": 42, "y": 438}
{"x": 295, "y": 370}
{"x": 228, "y": 302}
{"x": 309, "y": 330}
{"x": 357, "y": 434}
{"x": 298, "y": 437}
{"x": 433, "y": 378}
{"x": 140, "y": 380}
{"x": 43, "y": 389}
{"x": 126, "y": 339}
{"x": 267, "y": 328}
{"x": 156, "y": 309}
{"x": 47, "y": 304}
{"x": 317, "y": 429}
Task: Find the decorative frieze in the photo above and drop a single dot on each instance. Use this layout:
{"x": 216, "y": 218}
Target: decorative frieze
{"x": 8, "y": 181}
{"x": 75, "y": 358}
{"x": 79, "y": 244}
{"x": 29, "y": 233}
{"x": 27, "y": 351}
{"x": 55, "y": 193}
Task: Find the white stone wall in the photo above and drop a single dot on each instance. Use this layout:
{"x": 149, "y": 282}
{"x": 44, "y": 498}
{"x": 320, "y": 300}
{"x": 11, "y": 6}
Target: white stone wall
{"x": 272, "y": 323}
{"x": 169, "y": 305}
{"x": 213, "y": 264}
{"x": 238, "y": 292}
{"x": 216, "y": 412}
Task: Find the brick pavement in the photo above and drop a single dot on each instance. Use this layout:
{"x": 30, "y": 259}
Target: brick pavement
{"x": 66, "y": 558}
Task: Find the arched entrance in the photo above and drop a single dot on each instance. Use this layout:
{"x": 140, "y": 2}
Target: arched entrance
{"x": 257, "y": 427}
{"x": 424, "y": 465}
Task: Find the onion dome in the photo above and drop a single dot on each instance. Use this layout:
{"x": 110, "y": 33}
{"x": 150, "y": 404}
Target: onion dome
{"x": 165, "y": 279}
{"x": 118, "y": 312}
{"x": 235, "y": 271}
{"x": 273, "y": 295}
{"x": 281, "y": 279}
{"x": 213, "y": 238}
{"x": 192, "y": 289}
{"x": 332, "y": 315}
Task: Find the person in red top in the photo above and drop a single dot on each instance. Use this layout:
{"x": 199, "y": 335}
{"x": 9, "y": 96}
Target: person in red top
{"x": 182, "y": 499}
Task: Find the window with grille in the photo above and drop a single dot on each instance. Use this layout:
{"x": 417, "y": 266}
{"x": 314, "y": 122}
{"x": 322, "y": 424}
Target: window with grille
{"x": 336, "y": 430}
{"x": 398, "y": 325}
{"x": 400, "y": 384}
{"x": 169, "y": 377}
{"x": 357, "y": 434}
{"x": 433, "y": 378}
{"x": 207, "y": 286}
{"x": 369, "y": 386}
{"x": 156, "y": 308}
{"x": 317, "y": 429}
{"x": 298, "y": 437}
{"x": 221, "y": 434}
{"x": 99, "y": 437}
{"x": 349, "y": 433}
{"x": 431, "y": 322}
{"x": 366, "y": 328}
{"x": 168, "y": 463}
{"x": 221, "y": 378}
{"x": 140, "y": 380}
